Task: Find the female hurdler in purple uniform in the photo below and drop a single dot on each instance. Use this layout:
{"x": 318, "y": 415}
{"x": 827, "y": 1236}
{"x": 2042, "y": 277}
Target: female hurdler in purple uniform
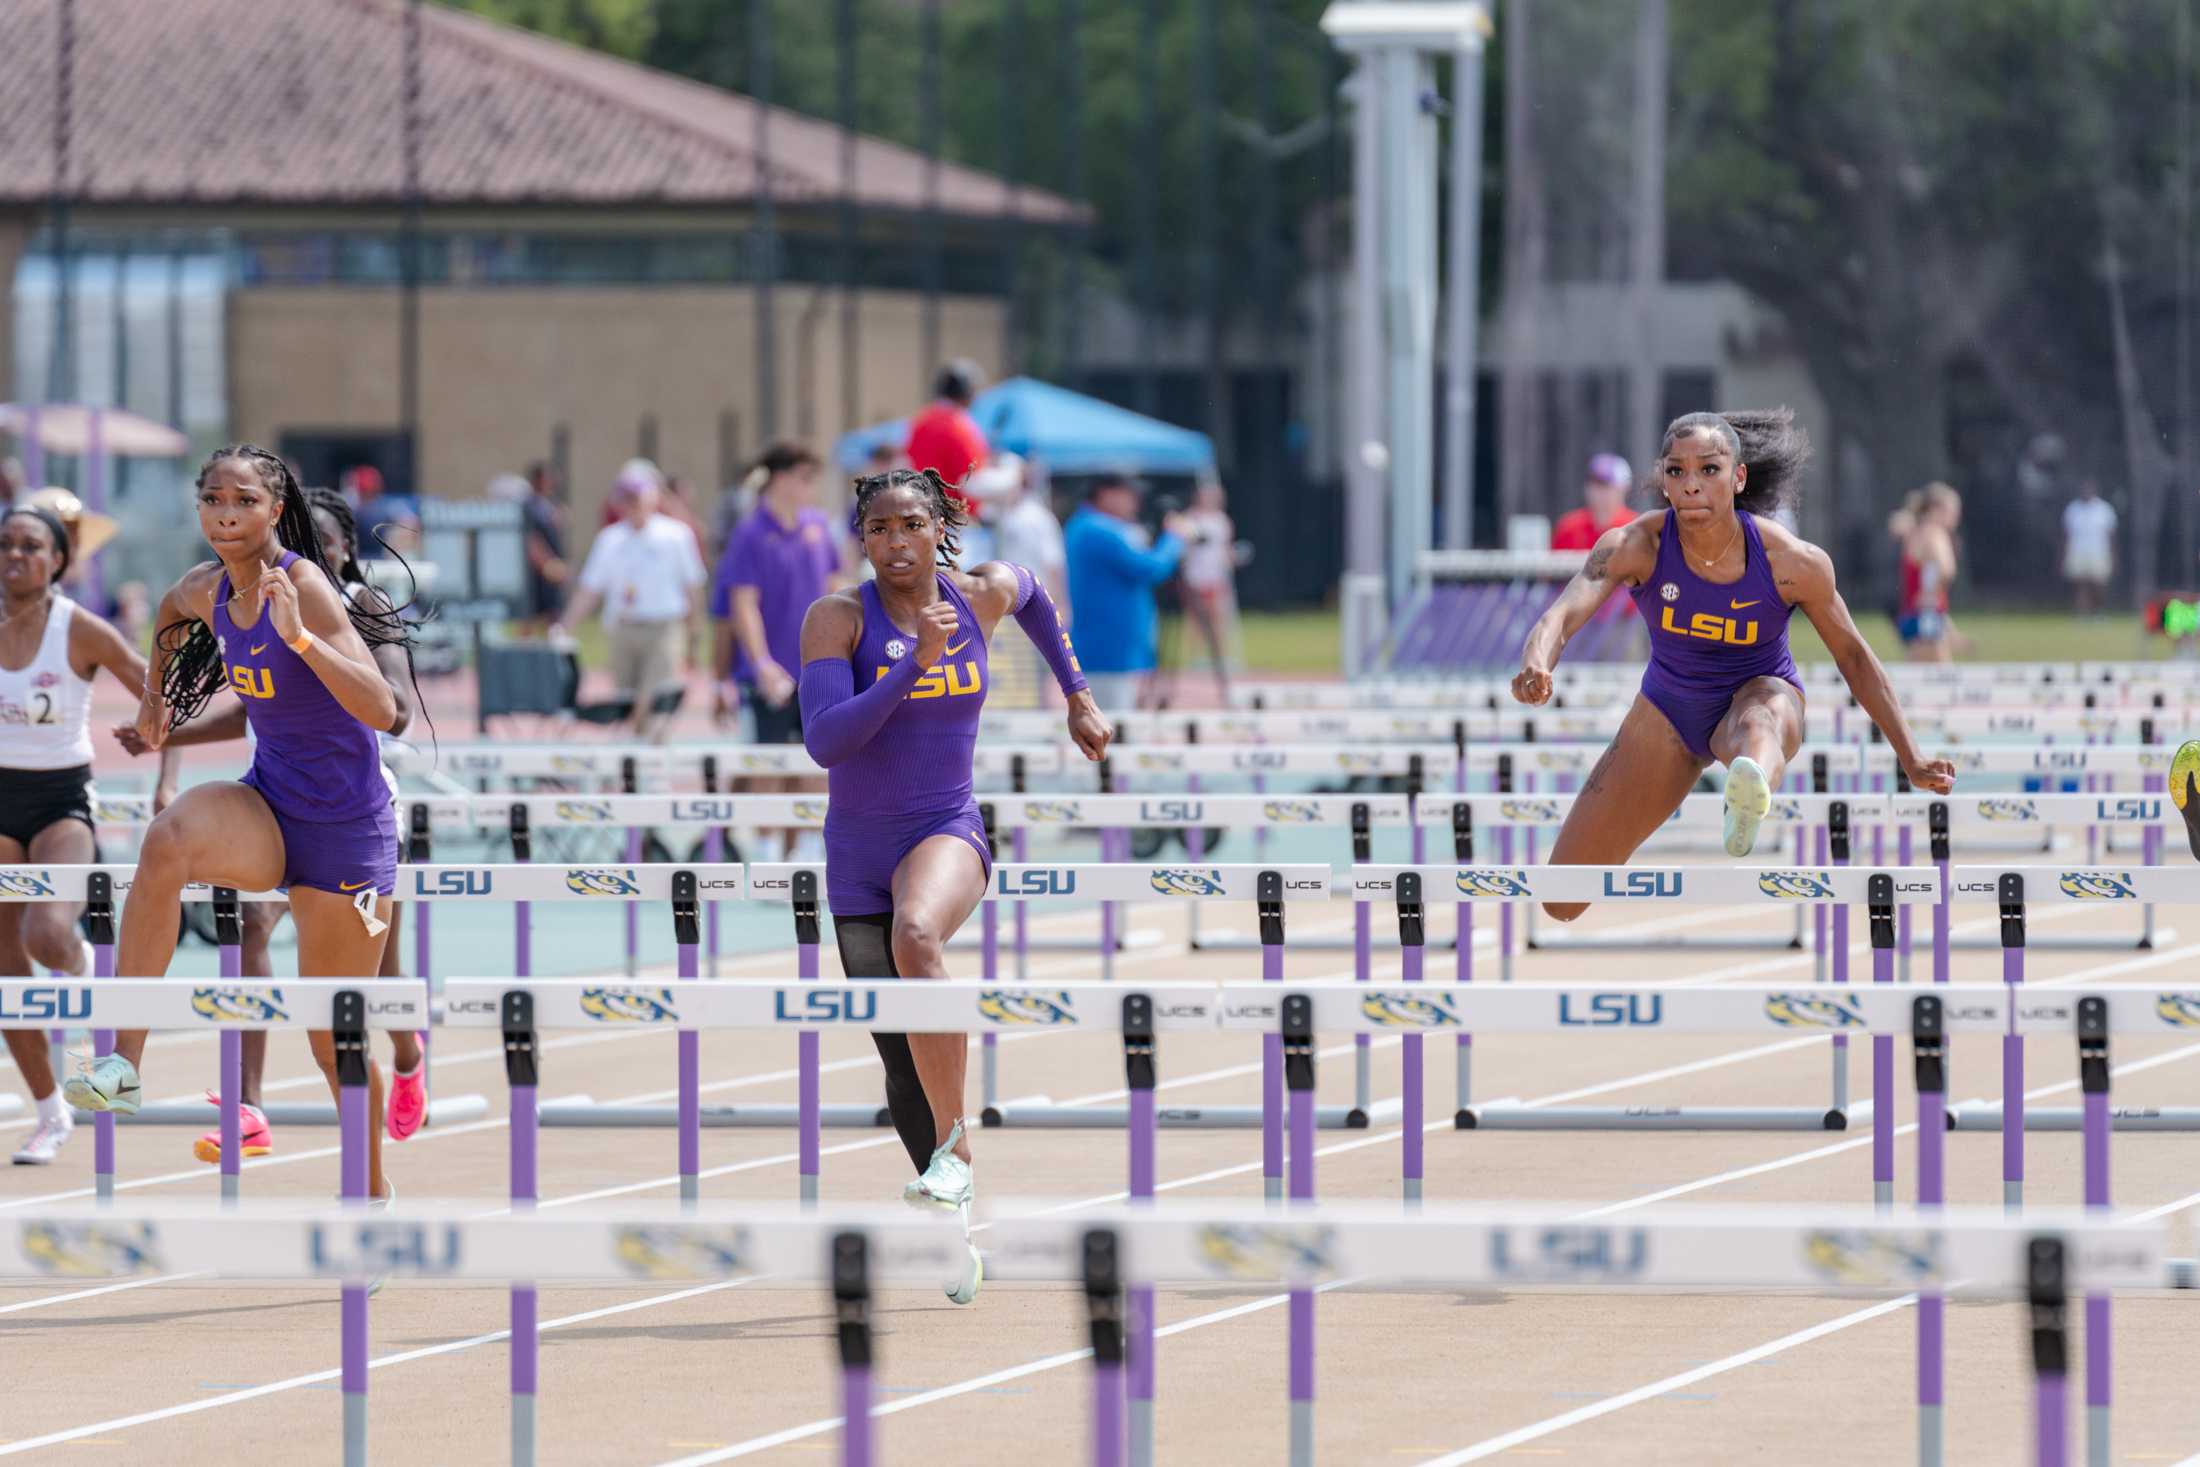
{"x": 1716, "y": 580}
{"x": 312, "y": 815}
{"x": 894, "y": 674}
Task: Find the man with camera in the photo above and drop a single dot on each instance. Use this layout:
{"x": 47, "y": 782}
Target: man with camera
{"x": 1113, "y": 575}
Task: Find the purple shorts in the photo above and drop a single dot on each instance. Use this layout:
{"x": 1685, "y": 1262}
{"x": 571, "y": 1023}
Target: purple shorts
{"x": 860, "y": 863}
{"x": 342, "y": 856}
{"x": 1695, "y": 715}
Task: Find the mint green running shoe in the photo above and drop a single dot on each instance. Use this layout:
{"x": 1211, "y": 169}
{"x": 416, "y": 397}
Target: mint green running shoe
{"x": 946, "y": 1185}
{"x": 111, "y": 1083}
{"x": 2184, "y": 790}
{"x": 1748, "y": 801}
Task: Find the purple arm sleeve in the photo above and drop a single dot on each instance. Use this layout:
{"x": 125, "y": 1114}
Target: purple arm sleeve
{"x": 837, "y": 721}
{"x": 1035, "y": 613}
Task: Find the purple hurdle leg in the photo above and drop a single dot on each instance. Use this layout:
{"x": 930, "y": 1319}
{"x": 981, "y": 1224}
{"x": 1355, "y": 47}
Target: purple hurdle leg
{"x": 1882, "y": 1092}
{"x": 229, "y": 926}
{"x": 1940, "y": 925}
{"x": 852, "y": 1306}
{"x": 2051, "y": 1419}
{"x": 691, "y": 1087}
{"x": 1298, "y": 1040}
{"x": 807, "y": 1145}
{"x": 1108, "y": 852}
{"x": 2012, "y": 1049}
{"x": 1840, "y": 922}
{"x": 1929, "y": 1046}
{"x": 1021, "y": 916}
{"x": 103, "y": 1122}
{"x": 351, "y": 1070}
{"x": 714, "y": 851}
{"x": 1363, "y": 971}
{"x": 989, "y": 964}
{"x": 1505, "y": 912}
{"x": 633, "y": 909}
{"x": 1139, "y": 1068}
{"x": 2093, "y": 1078}
{"x": 1271, "y": 1087}
{"x": 524, "y": 1345}
{"x": 1902, "y": 913}
{"x": 1412, "y": 953}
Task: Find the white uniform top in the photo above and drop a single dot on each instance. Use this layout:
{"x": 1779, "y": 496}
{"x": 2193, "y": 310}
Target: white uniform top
{"x": 45, "y": 708}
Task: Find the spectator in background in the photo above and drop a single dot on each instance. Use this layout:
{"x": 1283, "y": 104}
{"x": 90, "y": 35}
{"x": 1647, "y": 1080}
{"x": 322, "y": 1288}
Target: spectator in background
{"x": 1210, "y": 577}
{"x": 1113, "y": 573}
{"x": 547, "y": 571}
{"x": 1926, "y": 528}
{"x": 944, "y": 438}
{"x": 2089, "y": 546}
{"x": 1026, "y": 533}
{"x": 1603, "y": 505}
{"x": 386, "y": 520}
{"x": 646, "y": 574}
{"x": 778, "y": 560}
{"x": 11, "y": 481}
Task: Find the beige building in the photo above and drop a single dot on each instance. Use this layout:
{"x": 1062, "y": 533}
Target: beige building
{"x": 588, "y": 281}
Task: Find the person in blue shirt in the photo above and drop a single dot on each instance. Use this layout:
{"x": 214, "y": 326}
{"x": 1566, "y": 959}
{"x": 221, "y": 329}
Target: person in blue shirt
{"x": 1113, "y": 574}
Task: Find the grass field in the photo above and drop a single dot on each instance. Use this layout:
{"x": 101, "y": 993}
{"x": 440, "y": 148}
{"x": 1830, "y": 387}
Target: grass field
{"x": 1304, "y": 643}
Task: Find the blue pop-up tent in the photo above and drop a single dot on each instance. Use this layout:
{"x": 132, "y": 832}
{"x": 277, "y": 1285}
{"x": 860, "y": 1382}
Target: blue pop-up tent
{"x": 1067, "y": 431}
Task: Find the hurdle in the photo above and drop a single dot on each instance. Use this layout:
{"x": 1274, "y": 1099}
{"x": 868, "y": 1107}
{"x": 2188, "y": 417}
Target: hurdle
{"x": 350, "y": 1008}
{"x": 97, "y": 887}
{"x": 1880, "y": 890}
{"x": 1105, "y": 1252}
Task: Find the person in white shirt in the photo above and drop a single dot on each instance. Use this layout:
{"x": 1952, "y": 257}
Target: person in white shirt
{"x": 646, "y": 574}
{"x": 2089, "y": 545}
{"x": 1026, "y": 531}
{"x": 1210, "y": 578}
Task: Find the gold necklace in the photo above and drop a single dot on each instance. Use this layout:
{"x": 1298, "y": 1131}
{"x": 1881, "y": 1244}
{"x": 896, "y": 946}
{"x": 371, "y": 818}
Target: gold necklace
{"x": 1713, "y": 562}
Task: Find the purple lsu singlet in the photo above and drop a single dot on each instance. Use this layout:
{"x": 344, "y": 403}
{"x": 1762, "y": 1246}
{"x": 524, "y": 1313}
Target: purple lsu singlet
{"x": 1707, "y": 639}
{"x": 313, "y": 760}
{"x": 912, "y": 781}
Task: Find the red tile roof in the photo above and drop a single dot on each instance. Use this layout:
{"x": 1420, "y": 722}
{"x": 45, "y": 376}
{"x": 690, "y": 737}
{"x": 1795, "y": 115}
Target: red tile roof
{"x": 297, "y": 102}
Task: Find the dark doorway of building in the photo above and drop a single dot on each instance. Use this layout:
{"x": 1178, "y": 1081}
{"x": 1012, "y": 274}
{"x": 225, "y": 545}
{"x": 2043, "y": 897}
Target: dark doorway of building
{"x": 322, "y": 455}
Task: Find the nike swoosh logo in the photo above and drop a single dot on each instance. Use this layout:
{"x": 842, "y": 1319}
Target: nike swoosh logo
{"x": 957, "y": 647}
{"x": 256, "y": 651}
{"x": 353, "y": 885}
{"x": 1733, "y": 605}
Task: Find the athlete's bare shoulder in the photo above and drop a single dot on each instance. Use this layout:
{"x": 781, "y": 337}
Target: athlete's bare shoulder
{"x": 989, "y": 587}
{"x": 832, "y": 625}
{"x": 1626, "y": 553}
{"x": 194, "y": 589}
{"x": 1801, "y": 570}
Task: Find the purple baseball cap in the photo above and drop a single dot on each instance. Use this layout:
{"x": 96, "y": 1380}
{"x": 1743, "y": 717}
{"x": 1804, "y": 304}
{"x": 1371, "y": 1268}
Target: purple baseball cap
{"x": 1610, "y": 468}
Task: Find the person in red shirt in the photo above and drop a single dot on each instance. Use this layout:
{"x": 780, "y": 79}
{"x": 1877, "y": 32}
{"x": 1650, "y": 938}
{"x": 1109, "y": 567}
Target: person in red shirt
{"x": 1604, "y": 505}
{"x": 944, "y": 437}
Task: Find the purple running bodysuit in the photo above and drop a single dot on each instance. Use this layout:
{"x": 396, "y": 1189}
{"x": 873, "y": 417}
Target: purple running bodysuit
{"x": 1707, "y": 639}
{"x": 911, "y": 779}
{"x": 317, "y": 766}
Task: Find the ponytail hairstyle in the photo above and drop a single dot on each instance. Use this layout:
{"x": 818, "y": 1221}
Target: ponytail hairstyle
{"x": 194, "y": 672}
{"x": 926, "y": 482}
{"x": 338, "y": 508}
{"x": 1766, "y": 440}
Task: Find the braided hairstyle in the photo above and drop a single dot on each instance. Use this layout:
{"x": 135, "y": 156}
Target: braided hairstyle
{"x": 194, "y": 672}
{"x": 1766, "y": 439}
{"x": 937, "y": 498}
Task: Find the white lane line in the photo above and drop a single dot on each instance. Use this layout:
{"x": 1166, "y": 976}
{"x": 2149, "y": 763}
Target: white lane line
{"x": 69, "y": 1298}
{"x": 1511, "y": 1439}
{"x": 188, "y": 1408}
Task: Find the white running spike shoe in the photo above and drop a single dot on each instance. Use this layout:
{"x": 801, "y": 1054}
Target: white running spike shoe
{"x": 1748, "y": 801}
{"x": 43, "y": 1144}
{"x": 111, "y": 1083}
{"x": 947, "y": 1183}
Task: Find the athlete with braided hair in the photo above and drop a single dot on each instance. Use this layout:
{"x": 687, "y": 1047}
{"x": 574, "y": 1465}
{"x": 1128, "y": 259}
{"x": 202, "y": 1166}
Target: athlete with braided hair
{"x": 893, "y": 679}
{"x": 312, "y": 816}
{"x": 338, "y": 536}
{"x": 1716, "y": 579}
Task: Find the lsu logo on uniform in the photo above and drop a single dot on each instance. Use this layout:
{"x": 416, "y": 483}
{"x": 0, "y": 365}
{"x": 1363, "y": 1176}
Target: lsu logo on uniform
{"x": 1267, "y": 1251}
{"x": 1709, "y": 626}
{"x": 1798, "y": 886}
{"x": 1049, "y": 1009}
{"x": 629, "y": 1005}
{"x": 21, "y": 882}
{"x": 1528, "y": 809}
{"x": 1481, "y": 882}
{"x": 600, "y": 881}
{"x": 2180, "y": 1009}
{"x": 1182, "y": 881}
{"x": 2008, "y": 810}
{"x": 1053, "y": 812}
{"x": 252, "y": 682}
{"x": 232, "y": 1005}
{"x": 672, "y": 1251}
{"x": 90, "y": 1250}
{"x": 583, "y": 812}
{"x": 1292, "y": 812}
{"x": 2098, "y": 886}
{"x": 946, "y": 680}
{"x": 1407, "y": 1011}
{"x": 1871, "y": 1260}
{"x": 1808, "y": 1011}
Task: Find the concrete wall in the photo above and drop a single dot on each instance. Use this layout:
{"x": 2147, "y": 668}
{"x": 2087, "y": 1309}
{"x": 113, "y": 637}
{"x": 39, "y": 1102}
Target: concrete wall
{"x": 501, "y": 368}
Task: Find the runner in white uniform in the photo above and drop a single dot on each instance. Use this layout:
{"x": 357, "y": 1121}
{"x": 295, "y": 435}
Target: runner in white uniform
{"x": 407, "y": 1107}
{"x": 50, "y": 648}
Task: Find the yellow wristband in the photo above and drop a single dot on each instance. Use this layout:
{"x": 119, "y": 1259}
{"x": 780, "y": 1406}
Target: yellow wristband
{"x": 301, "y": 643}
